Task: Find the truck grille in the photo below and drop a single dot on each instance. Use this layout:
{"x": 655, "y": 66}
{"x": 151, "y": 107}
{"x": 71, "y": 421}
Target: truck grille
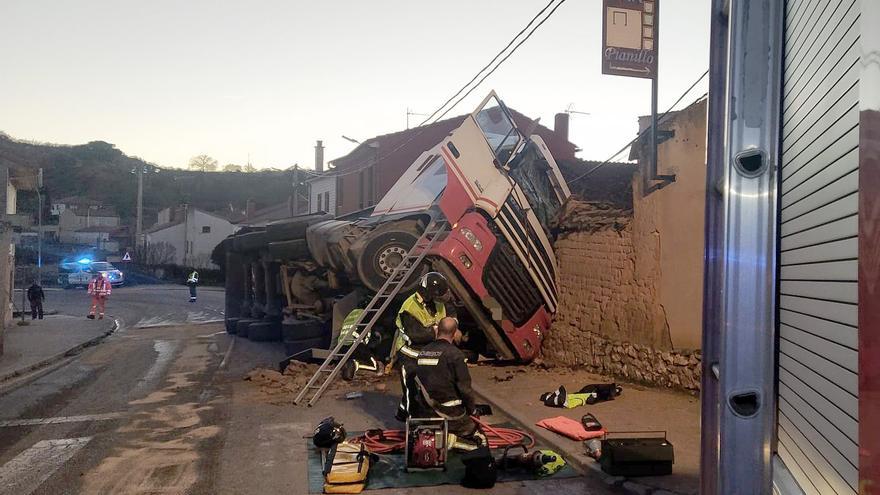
{"x": 507, "y": 280}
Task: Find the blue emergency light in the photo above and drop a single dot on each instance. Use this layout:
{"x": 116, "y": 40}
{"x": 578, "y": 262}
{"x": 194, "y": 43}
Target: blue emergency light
{"x": 84, "y": 261}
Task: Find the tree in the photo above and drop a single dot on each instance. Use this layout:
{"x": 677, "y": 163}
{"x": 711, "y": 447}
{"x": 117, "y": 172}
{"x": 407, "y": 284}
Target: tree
{"x": 155, "y": 253}
{"x": 203, "y": 162}
{"x": 231, "y": 167}
{"x": 249, "y": 168}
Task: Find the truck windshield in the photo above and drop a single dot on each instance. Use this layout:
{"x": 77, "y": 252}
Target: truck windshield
{"x": 499, "y": 130}
{"x": 530, "y": 170}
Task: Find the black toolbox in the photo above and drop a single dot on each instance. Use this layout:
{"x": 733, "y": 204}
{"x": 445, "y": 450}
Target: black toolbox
{"x": 636, "y": 454}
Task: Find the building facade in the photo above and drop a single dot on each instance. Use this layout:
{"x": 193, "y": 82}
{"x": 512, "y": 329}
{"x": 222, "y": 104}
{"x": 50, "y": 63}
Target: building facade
{"x": 322, "y": 194}
{"x": 192, "y": 233}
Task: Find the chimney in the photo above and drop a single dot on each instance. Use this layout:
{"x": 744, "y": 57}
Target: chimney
{"x": 560, "y": 125}
{"x": 319, "y": 156}
{"x": 251, "y": 208}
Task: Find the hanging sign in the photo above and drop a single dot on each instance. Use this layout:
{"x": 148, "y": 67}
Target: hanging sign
{"x": 629, "y": 38}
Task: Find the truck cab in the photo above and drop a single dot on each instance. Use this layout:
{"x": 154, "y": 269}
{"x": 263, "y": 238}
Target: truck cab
{"x": 499, "y": 189}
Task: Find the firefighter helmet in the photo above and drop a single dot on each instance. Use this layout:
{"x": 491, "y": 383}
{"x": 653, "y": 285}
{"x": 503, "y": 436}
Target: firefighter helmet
{"x": 328, "y": 433}
{"x": 433, "y": 285}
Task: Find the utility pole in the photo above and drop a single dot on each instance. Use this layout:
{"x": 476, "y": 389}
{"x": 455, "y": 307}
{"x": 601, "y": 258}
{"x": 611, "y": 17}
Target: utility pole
{"x": 139, "y": 225}
{"x": 40, "y": 226}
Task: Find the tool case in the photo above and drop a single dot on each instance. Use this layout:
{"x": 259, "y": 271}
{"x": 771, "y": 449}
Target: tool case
{"x": 637, "y": 453}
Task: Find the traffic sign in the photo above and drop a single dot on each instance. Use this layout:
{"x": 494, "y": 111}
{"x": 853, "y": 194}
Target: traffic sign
{"x": 127, "y": 257}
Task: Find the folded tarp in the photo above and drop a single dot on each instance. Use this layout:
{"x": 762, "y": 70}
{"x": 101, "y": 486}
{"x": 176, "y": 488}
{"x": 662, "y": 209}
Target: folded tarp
{"x": 570, "y": 428}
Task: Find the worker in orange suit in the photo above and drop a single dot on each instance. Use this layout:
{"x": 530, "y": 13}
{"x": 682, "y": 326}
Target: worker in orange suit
{"x": 99, "y": 289}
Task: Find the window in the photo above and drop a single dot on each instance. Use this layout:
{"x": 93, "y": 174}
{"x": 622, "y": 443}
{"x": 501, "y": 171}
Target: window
{"x": 206, "y": 229}
{"x": 371, "y": 193}
{"x": 318, "y": 203}
{"x": 499, "y": 129}
{"x": 327, "y": 202}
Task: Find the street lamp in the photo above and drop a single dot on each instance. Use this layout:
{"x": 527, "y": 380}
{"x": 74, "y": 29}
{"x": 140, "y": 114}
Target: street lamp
{"x": 139, "y": 224}
{"x": 353, "y": 140}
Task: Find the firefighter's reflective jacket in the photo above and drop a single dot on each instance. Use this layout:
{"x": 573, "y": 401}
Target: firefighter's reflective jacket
{"x": 415, "y": 324}
{"x": 444, "y": 380}
{"x": 346, "y": 333}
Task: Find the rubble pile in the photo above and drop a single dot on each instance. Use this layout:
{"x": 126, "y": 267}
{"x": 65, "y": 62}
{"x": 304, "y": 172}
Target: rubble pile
{"x": 282, "y": 388}
{"x": 590, "y": 216}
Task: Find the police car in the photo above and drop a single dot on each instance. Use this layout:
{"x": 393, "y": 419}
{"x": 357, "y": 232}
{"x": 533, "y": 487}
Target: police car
{"x": 79, "y": 273}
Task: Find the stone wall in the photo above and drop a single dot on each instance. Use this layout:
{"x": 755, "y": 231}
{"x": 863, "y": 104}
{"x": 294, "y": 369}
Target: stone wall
{"x": 610, "y": 319}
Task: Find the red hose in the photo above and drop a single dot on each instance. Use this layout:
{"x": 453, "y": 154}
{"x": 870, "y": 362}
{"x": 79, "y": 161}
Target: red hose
{"x": 390, "y": 441}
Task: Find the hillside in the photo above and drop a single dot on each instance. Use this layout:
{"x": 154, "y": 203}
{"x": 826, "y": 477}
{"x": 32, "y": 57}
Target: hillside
{"x": 100, "y": 171}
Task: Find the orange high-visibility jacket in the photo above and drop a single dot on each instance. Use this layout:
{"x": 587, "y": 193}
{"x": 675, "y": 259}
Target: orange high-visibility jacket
{"x": 100, "y": 287}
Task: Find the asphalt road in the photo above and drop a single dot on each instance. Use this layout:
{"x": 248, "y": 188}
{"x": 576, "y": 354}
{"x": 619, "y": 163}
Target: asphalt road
{"x": 163, "y": 409}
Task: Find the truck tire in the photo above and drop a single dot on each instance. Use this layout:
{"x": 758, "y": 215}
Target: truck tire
{"x": 241, "y": 327}
{"x": 266, "y": 331}
{"x": 289, "y": 250}
{"x": 383, "y": 252}
{"x": 302, "y": 329}
{"x": 249, "y": 242}
{"x": 297, "y": 346}
{"x": 231, "y": 325}
{"x": 293, "y": 228}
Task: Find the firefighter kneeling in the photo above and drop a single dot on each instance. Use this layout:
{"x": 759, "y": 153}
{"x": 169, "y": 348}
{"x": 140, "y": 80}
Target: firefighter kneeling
{"x": 444, "y": 390}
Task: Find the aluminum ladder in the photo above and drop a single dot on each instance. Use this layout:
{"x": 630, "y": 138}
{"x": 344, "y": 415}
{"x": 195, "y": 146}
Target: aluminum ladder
{"x": 374, "y": 310}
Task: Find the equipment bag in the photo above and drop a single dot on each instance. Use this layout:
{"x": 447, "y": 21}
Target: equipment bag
{"x": 346, "y": 467}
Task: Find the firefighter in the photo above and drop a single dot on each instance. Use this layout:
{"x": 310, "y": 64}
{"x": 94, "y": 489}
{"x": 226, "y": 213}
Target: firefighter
{"x": 416, "y": 326}
{"x": 443, "y": 387}
{"x": 192, "y": 282}
{"x": 36, "y": 296}
{"x": 362, "y": 358}
{"x": 99, "y": 289}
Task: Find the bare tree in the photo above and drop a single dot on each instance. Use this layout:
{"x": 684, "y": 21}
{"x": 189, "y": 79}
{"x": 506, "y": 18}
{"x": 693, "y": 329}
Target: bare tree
{"x": 203, "y": 162}
{"x": 231, "y": 167}
{"x": 249, "y": 168}
{"x": 155, "y": 253}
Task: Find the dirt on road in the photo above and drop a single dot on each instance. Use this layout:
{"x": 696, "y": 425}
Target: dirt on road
{"x": 281, "y": 388}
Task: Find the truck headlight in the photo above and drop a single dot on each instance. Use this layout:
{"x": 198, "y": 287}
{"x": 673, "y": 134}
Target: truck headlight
{"x": 471, "y": 238}
{"x": 465, "y": 260}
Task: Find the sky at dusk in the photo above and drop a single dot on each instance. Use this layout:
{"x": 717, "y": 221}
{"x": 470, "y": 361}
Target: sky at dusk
{"x": 168, "y": 80}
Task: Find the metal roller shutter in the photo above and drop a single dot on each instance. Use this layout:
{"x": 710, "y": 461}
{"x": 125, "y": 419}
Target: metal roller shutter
{"x": 818, "y": 304}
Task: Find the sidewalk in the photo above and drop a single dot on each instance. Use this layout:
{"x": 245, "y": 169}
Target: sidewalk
{"x": 516, "y": 390}
{"x": 42, "y": 342}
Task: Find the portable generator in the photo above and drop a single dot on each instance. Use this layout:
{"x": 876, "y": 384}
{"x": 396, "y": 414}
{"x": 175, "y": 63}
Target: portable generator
{"x": 426, "y": 444}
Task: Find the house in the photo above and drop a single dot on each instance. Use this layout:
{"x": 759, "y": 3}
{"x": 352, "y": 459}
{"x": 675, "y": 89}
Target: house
{"x": 365, "y": 174}
{"x": 75, "y": 218}
{"x": 16, "y": 177}
{"x": 191, "y": 234}
{"x": 59, "y": 205}
{"x": 322, "y": 193}
{"x": 100, "y": 237}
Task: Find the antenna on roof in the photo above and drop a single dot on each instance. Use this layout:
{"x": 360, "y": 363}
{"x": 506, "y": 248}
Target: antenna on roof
{"x": 410, "y": 112}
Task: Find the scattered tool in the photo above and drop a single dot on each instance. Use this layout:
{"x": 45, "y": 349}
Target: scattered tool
{"x": 540, "y": 462}
{"x": 590, "y": 422}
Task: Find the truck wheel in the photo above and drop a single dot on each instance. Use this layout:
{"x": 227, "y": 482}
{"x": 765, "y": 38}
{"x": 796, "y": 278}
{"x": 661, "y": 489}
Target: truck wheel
{"x": 231, "y": 325}
{"x": 302, "y": 329}
{"x": 297, "y": 346}
{"x": 382, "y": 254}
{"x": 241, "y": 327}
{"x": 266, "y": 331}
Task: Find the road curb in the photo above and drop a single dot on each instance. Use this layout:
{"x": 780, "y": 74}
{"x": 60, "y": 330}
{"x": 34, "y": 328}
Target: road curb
{"x": 58, "y": 357}
{"x": 554, "y": 441}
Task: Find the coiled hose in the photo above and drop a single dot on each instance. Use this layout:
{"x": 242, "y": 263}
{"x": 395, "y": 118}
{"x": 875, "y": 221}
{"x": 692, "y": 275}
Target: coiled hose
{"x": 390, "y": 441}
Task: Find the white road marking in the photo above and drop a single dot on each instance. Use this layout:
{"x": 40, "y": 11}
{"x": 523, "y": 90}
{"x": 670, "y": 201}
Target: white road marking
{"x": 31, "y": 468}
{"x": 61, "y": 419}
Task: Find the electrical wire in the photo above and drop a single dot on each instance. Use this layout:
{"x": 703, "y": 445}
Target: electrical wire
{"x": 421, "y": 129}
{"x": 509, "y": 43}
{"x": 391, "y": 441}
{"x": 639, "y": 136}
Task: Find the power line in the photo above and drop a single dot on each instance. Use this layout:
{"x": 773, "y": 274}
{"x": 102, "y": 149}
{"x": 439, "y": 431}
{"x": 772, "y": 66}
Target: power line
{"x": 509, "y": 43}
{"x": 639, "y": 136}
{"x": 504, "y": 59}
{"x": 421, "y": 128}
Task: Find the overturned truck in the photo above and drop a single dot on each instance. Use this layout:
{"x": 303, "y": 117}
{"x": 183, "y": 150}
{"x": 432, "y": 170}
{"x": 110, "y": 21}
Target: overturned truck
{"x": 498, "y": 187}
